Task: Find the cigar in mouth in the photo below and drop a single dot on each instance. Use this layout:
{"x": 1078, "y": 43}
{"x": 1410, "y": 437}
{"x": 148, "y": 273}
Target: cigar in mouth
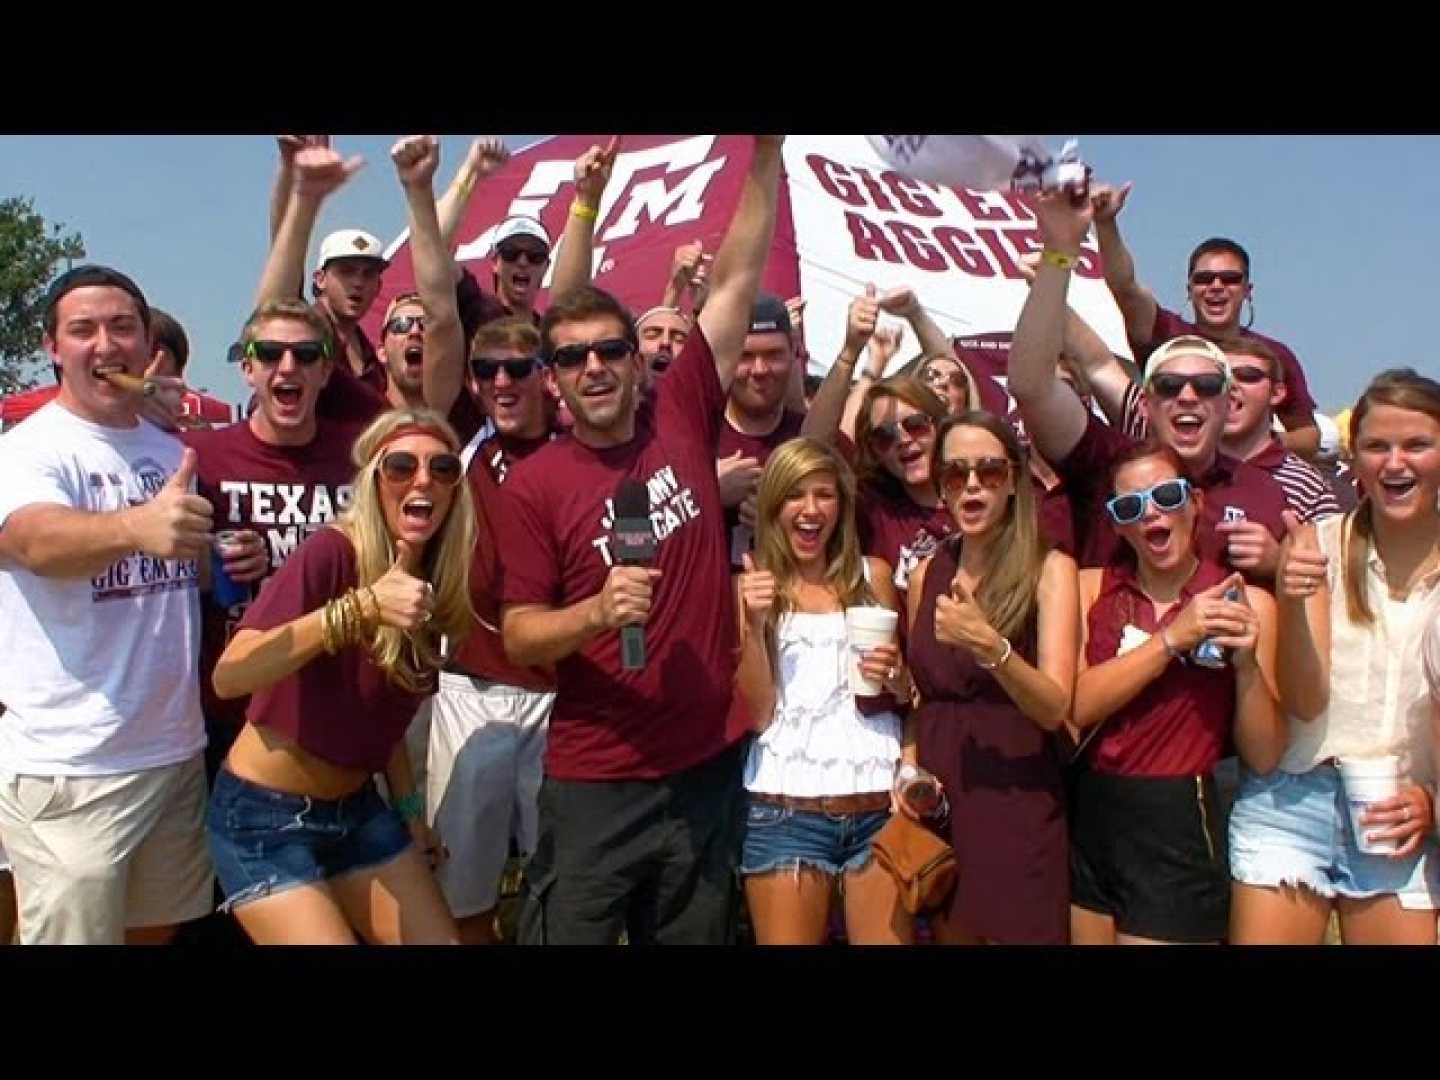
{"x": 134, "y": 384}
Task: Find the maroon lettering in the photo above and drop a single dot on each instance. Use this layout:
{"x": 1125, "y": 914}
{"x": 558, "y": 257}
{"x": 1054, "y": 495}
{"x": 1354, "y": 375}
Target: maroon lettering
{"x": 1026, "y": 241}
{"x": 1089, "y": 264}
{"x": 869, "y": 239}
{"x": 980, "y": 210}
{"x": 834, "y": 185}
{"x": 877, "y": 193}
{"x": 960, "y": 246}
{"x": 907, "y": 194}
{"x": 1018, "y": 209}
{"x": 992, "y": 241}
{"x": 918, "y": 251}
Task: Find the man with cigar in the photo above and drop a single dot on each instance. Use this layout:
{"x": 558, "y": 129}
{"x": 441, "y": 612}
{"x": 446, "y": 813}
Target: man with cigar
{"x": 641, "y": 803}
{"x": 102, "y": 781}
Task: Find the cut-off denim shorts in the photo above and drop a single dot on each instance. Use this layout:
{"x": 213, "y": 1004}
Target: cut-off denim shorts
{"x": 265, "y": 841}
{"x": 778, "y": 838}
{"x": 1294, "y": 829}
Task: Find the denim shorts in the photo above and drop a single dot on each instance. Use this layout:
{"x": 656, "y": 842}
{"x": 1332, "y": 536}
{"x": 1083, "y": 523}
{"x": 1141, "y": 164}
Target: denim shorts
{"x": 265, "y": 841}
{"x": 777, "y": 838}
{"x": 1294, "y": 829}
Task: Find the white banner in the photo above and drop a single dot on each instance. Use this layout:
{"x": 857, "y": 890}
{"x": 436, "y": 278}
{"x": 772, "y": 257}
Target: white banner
{"x": 858, "y": 221}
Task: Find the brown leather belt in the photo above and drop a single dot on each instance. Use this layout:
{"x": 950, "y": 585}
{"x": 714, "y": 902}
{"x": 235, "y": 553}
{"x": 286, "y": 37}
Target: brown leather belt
{"x": 867, "y": 803}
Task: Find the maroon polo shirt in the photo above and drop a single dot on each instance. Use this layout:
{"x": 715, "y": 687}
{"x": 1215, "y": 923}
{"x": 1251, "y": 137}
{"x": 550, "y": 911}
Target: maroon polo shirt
{"x": 759, "y": 447}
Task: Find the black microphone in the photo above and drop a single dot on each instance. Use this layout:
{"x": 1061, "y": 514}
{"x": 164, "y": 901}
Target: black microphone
{"x": 633, "y": 544}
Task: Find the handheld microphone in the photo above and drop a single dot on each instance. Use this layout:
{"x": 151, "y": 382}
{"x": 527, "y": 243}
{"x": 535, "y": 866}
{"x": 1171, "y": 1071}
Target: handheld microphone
{"x": 633, "y": 544}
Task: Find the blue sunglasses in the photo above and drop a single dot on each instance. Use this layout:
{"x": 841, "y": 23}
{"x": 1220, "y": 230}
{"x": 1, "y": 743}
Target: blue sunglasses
{"x": 1168, "y": 495}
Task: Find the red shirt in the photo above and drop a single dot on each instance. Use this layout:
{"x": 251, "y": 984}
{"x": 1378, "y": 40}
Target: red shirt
{"x": 340, "y": 708}
{"x": 554, "y": 527}
{"x": 1234, "y": 491}
{"x": 483, "y": 654}
{"x": 900, "y": 530}
{"x": 759, "y": 447}
{"x": 1298, "y": 404}
{"x": 284, "y": 493}
{"x": 1180, "y": 723}
{"x": 1056, "y": 519}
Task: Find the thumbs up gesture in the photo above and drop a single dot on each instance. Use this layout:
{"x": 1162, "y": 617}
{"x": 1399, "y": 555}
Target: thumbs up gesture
{"x": 404, "y": 597}
{"x": 1304, "y": 568}
{"x": 861, "y": 319}
{"x": 960, "y": 623}
{"x": 176, "y": 523}
{"x": 757, "y": 593}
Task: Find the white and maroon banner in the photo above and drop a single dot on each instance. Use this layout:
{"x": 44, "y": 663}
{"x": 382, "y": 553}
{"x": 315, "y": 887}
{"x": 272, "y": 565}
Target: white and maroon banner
{"x": 846, "y": 218}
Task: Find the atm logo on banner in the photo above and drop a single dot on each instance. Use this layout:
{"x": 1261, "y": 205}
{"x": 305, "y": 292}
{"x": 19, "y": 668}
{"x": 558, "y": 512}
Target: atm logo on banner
{"x": 664, "y": 185}
{"x": 980, "y": 233}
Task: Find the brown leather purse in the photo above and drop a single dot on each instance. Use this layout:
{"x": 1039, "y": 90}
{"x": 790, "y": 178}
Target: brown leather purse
{"x": 923, "y": 865}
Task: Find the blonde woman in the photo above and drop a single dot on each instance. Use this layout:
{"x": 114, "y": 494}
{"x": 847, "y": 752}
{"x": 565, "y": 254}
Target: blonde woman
{"x": 337, "y": 653}
{"x": 820, "y": 773}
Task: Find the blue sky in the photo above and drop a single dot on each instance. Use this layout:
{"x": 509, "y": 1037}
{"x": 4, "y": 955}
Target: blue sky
{"x": 1342, "y": 229}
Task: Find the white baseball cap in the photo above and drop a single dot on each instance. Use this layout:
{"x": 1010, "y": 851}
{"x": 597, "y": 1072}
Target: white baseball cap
{"x": 520, "y": 225}
{"x": 350, "y": 244}
{"x": 1187, "y": 345}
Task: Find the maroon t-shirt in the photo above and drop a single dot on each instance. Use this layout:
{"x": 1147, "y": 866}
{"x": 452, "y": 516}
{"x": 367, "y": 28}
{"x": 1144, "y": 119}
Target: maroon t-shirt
{"x": 483, "y": 653}
{"x": 988, "y": 358}
{"x": 284, "y": 493}
{"x": 1234, "y": 491}
{"x": 1056, "y": 518}
{"x": 372, "y": 369}
{"x": 555, "y": 530}
{"x": 341, "y": 708}
{"x": 1180, "y": 723}
{"x": 899, "y": 530}
{"x": 759, "y": 447}
{"x": 1298, "y": 404}
{"x": 348, "y": 399}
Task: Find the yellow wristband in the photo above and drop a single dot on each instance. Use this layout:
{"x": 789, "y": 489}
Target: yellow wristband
{"x": 1057, "y": 259}
{"x": 580, "y": 210}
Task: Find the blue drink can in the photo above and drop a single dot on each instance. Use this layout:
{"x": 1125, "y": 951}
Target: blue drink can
{"x": 224, "y": 590}
{"x": 1207, "y": 654}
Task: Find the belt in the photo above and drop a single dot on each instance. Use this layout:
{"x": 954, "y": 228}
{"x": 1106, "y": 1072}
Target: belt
{"x": 866, "y": 803}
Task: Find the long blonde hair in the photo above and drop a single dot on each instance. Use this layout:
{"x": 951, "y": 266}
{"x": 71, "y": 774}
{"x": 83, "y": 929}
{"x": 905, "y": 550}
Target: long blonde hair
{"x": 1403, "y": 388}
{"x": 411, "y": 659}
{"x": 1010, "y": 579}
{"x": 791, "y": 463}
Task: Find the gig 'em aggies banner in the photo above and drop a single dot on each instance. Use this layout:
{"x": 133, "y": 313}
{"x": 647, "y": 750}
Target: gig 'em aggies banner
{"x": 845, "y": 219}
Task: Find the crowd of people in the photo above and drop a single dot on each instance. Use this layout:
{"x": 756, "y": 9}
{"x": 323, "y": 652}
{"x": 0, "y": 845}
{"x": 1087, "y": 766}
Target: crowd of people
{"x": 533, "y": 578}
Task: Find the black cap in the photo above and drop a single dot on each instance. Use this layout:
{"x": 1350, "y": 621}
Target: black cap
{"x": 769, "y": 315}
{"x": 90, "y": 274}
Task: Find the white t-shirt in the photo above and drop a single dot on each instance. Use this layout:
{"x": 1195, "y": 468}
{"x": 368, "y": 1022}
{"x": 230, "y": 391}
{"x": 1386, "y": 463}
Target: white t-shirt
{"x": 99, "y": 674}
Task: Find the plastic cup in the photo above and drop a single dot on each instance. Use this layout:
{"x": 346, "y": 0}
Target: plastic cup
{"x": 1369, "y": 781}
{"x": 866, "y": 627}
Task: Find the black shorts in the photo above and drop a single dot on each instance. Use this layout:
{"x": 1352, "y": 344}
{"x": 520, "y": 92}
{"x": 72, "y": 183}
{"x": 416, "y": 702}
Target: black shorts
{"x": 1151, "y": 853}
{"x": 656, "y": 859}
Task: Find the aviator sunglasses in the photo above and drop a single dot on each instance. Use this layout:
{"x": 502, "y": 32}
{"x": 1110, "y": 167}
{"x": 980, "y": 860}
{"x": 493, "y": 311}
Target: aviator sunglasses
{"x": 1168, "y": 495}
{"x": 402, "y": 324}
{"x": 400, "y": 467}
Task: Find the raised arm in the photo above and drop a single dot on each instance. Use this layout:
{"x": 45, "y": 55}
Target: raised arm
{"x": 1137, "y": 303}
{"x": 740, "y": 262}
{"x": 1053, "y": 415}
{"x": 1104, "y": 375}
{"x": 903, "y": 303}
{"x": 486, "y": 155}
{"x": 319, "y": 171}
{"x": 755, "y": 674}
{"x": 685, "y": 266}
{"x": 827, "y": 411}
{"x": 577, "y": 249}
{"x": 443, "y": 366}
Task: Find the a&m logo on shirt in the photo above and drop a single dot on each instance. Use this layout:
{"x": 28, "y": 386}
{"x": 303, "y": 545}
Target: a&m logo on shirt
{"x": 1234, "y": 513}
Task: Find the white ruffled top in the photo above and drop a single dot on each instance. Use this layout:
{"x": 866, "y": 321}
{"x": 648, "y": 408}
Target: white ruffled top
{"x": 819, "y": 743}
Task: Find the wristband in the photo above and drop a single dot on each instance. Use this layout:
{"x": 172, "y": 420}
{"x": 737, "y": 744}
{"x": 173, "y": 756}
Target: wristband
{"x": 409, "y": 807}
{"x": 580, "y": 210}
{"x": 1058, "y": 259}
{"x": 1004, "y": 655}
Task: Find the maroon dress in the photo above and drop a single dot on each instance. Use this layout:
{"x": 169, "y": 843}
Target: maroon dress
{"x": 1003, "y": 777}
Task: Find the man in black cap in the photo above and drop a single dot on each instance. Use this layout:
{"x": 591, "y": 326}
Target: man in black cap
{"x": 756, "y": 419}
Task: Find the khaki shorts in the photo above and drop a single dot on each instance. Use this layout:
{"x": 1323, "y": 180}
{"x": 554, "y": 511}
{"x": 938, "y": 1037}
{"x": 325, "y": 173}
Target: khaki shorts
{"x": 95, "y": 855}
{"x": 487, "y": 742}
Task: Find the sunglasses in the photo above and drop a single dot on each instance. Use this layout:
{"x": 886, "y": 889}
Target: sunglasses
{"x": 610, "y": 350}
{"x": 884, "y": 436}
{"x": 485, "y": 369}
{"x": 400, "y": 467}
{"x": 992, "y": 472}
{"x": 1168, "y": 385}
{"x": 403, "y": 324}
{"x": 528, "y": 255}
{"x": 1168, "y": 495}
{"x": 270, "y": 353}
{"x": 1209, "y": 277}
{"x": 1249, "y": 375}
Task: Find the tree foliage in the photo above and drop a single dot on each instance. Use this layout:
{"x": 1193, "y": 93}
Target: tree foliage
{"x": 29, "y": 253}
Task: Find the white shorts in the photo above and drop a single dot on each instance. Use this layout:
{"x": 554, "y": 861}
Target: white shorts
{"x": 487, "y": 742}
{"x": 95, "y": 855}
